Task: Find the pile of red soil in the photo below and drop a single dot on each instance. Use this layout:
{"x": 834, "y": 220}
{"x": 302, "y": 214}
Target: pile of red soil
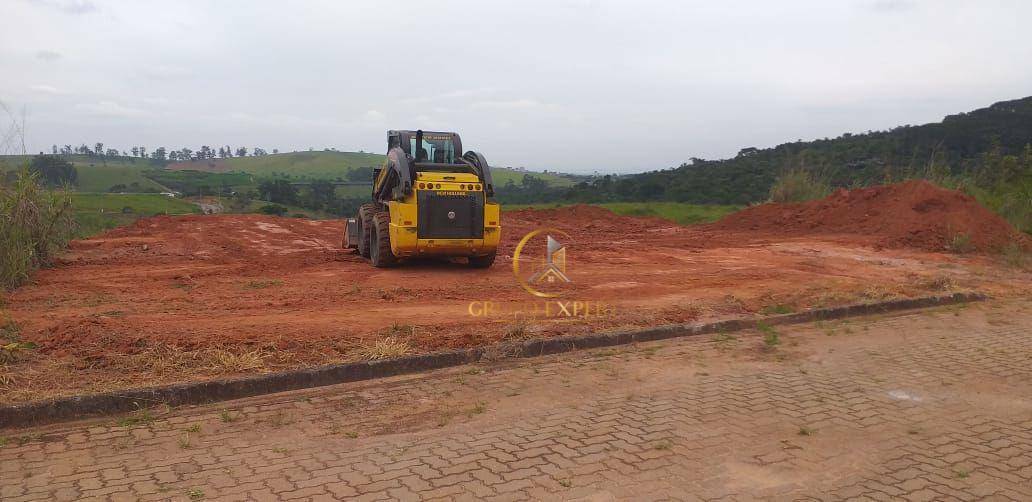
{"x": 915, "y": 214}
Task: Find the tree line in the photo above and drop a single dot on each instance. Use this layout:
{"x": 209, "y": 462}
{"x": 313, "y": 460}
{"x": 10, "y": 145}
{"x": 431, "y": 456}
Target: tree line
{"x": 161, "y": 154}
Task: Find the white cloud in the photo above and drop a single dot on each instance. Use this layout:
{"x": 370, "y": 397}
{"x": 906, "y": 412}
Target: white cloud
{"x": 580, "y": 84}
{"x": 109, "y": 109}
{"x": 889, "y": 5}
{"x": 69, "y": 6}
{"x": 48, "y": 56}
{"x": 512, "y": 104}
{"x": 46, "y": 89}
{"x": 164, "y": 72}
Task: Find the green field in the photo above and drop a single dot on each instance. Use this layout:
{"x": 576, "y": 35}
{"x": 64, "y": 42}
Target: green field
{"x": 98, "y": 212}
{"x": 333, "y": 165}
{"x": 502, "y": 175}
{"x": 98, "y": 174}
{"x": 678, "y": 212}
{"x": 314, "y": 165}
{"x": 201, "y": 183}
{"x": 100, "y": 178}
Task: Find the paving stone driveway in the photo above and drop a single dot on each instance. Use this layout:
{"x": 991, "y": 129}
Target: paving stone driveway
{"x": 923, "y": 406}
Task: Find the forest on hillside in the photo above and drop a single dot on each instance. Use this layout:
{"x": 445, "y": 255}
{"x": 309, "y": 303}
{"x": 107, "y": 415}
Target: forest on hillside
{"x": 990, "y": 144}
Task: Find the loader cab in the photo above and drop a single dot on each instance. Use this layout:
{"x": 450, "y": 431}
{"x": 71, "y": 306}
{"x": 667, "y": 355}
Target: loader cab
{"x": 435, "y": 151}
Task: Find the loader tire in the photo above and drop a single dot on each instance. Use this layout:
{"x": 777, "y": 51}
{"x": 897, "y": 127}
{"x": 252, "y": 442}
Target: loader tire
{"x": 481, "y": 261}
{"x": 380, "y": 245}
{"x": 365, "y": 226}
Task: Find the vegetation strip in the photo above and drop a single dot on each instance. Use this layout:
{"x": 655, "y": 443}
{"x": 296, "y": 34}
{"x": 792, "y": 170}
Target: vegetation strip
{"x": 78, "y": 407}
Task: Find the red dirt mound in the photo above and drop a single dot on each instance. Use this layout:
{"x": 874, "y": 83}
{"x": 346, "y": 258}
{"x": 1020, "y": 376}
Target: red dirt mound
{"x": 914, "y": 214}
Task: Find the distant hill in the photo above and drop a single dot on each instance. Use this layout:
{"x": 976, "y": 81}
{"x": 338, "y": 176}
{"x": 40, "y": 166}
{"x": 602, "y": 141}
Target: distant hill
{"x": 331, "y": 165}
{"x": 316, "y": 165}
{"x": 99, "y": 174}
{"x": 959, "y": 143}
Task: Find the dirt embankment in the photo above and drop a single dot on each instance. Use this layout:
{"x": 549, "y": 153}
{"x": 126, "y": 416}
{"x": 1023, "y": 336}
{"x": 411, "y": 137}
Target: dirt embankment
{"x": 915, "y": 214}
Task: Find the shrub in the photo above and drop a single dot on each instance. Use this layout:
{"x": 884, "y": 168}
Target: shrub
{"x": 798, "y": 185}
{"x": 273, "y": 209}
{"x": 35, "y": 223}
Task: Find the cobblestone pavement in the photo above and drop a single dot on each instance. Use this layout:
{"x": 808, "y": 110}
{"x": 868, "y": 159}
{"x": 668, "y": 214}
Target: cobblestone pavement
{"x": 923, "y": 406}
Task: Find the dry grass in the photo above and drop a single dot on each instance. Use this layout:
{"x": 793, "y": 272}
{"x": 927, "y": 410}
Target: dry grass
{"x": 518, "y": 331}
{"x": 386, "y": 348}
{"x": 262, "y": 283}
{"x": 164, "y": 360}
{"x": 938, "y": 283}
{"x": 959, "y": 243}
{"x": 225, "y": 361}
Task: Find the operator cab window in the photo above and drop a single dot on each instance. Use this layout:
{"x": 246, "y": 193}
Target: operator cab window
{"x": 438, "y": 151}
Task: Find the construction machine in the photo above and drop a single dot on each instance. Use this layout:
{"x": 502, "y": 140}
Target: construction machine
{"x": 429, "y": 199}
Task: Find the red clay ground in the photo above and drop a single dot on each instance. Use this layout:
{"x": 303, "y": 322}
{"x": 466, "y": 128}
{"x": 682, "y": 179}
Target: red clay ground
{"x": 176, "y": 298}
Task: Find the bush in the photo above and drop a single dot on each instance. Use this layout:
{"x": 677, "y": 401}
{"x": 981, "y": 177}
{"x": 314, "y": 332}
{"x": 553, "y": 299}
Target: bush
{"x": 35, "y": 224}
{"x": 273, "y": 209}
{"x": 53, "y": 170}
{"x": 799, "y": 185}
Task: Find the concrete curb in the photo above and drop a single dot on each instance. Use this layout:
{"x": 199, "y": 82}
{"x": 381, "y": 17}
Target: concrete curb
{"x": 77, "y": 407}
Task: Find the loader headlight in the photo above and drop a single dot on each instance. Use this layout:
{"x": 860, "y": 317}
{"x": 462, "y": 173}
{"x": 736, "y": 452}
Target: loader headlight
{"x": 422, "y": 186}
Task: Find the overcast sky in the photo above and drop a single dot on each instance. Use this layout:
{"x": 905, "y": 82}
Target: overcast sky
{"x": 573, "y": 85}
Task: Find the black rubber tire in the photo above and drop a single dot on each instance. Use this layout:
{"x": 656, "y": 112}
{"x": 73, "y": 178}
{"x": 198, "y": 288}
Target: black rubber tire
{"x": 482, "y": 261}
{"x": 380, "y": 253}
{"x": 365, "y": 226}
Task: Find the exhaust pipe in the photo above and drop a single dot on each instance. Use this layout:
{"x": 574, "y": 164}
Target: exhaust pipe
{"x": 419, "y": 144}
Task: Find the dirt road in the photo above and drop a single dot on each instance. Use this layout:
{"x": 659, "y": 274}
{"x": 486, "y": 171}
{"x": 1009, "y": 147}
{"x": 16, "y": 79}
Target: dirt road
{"x": 923, "y": 406}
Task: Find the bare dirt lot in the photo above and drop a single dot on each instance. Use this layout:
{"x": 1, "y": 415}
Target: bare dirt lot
{"x": 191, "y": 297}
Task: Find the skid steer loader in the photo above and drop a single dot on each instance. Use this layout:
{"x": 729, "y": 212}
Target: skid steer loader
{"x": 429, "y": 199}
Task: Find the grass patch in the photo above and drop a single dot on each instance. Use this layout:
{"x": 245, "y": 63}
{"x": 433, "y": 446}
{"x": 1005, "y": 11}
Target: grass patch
{"x": 1016, "y": 256}
{"x": 141, "y": 416}
{"x": 519, "y": 330}
{"x": 799, "y": 185}
{"x": 35, "y": 224}
{"x": 477, "y": 409}
{"x": 771, "y": 338}
{"x": 226, "y": 361}
{"x": 97, "y": 212}
{"x": 959, "y": 243}
{"x": 13, "y": 351}
{"x": 262, "y": 283}
{"x": 777, "y": 309}
{"x": 96, "y": 177}
{"x": 678, "y": 212}
{"x": 386, "y": 348}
